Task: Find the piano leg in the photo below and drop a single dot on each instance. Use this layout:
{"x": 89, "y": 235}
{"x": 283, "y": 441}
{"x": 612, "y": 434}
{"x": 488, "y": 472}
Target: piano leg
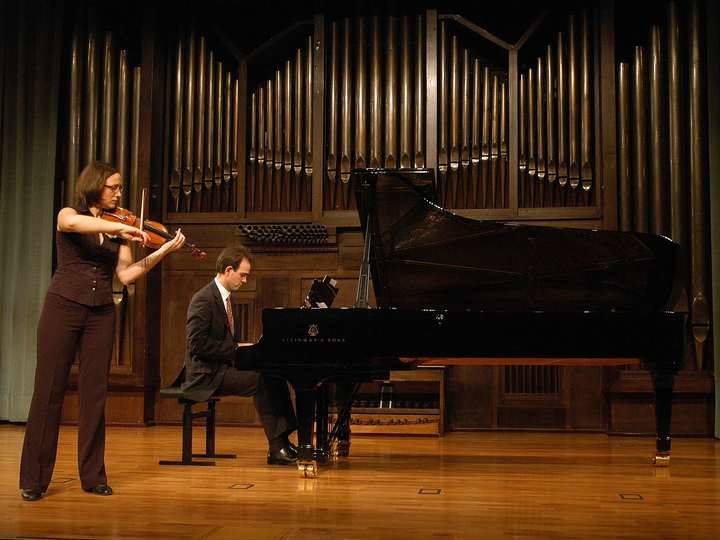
{"x": 663, "y": 383}
{"x": 321, "y": 424}
{"x": 305, "y": 401}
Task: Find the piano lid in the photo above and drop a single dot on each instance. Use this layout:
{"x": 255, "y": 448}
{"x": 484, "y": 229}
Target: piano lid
{"x": 423, "y": 256}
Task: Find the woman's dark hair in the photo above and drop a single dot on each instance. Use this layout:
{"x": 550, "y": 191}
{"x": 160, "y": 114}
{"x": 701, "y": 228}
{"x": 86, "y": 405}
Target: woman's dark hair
{"x": 232, "y": 256}
{"x": 90, "y": 184}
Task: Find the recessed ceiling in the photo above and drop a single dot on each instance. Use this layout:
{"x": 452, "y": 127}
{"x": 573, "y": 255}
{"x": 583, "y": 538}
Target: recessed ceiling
{"x": 249, "y": 24}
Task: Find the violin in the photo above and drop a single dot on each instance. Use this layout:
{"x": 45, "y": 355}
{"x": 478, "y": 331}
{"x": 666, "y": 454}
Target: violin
{"x": 157, "y": 232}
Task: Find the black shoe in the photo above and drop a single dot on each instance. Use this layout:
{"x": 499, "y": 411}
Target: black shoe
{"x": 284, "y": 456}
{"x": 30, "y": 494}
{"x": 100, "y": 489}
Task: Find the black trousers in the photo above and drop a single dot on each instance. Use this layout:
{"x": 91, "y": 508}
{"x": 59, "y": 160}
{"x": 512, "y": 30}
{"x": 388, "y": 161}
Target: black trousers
{"x": 67, "y": 329}
{"x": 271, "y": 397}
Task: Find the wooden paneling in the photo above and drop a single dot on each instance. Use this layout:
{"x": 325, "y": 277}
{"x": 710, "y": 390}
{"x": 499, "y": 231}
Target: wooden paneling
{"x": 178, "y": 288}
{"x": 586, "y": 399}
{"x": 631, "y": 406}
{"x": 476, "y": 400}
{"x": 471, "y": 396}
{"x": 125, "y": 407}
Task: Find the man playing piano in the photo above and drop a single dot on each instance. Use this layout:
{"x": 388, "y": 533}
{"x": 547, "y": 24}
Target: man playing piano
{"x": 211, "y": 347}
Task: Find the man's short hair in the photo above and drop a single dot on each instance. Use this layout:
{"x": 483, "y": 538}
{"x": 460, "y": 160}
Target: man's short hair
{"x": 232, "y": 256}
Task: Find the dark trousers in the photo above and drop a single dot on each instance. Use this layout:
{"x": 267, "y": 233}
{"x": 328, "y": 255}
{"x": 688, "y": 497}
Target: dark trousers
{"x": 67, "y": 329}
{"x": 271, "y": 397}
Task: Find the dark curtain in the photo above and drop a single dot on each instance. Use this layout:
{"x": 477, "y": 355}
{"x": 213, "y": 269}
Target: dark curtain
{"x": 30, "y": 57}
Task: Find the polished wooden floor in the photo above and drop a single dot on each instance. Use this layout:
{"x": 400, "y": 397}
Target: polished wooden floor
{"x": 464, "y": 485}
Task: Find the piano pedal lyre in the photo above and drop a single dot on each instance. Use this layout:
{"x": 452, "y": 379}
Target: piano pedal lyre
{"x": 308, "y": 469}
{"x": 662, "y": 459}
{"x": 342, "y": 448}
{"x": 339, "y": 449}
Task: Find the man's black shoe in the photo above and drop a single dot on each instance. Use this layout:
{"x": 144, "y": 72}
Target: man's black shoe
{"x": 293, "y": 450}
{"x": 30, "y": 494}
{"x": 284, "y": 456}
{"x": 100, "y": 489}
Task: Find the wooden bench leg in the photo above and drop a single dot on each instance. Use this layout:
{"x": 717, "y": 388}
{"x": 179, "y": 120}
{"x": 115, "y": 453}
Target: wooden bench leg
{"x": 210, "y": 435}
{"x": 187, "y": 455}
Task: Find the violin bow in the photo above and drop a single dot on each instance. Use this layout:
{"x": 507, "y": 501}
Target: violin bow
{"x": 142, "y": 208}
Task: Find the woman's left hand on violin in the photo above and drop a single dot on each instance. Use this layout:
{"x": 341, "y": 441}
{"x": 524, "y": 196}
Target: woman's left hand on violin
{"x": 176, "y": 243}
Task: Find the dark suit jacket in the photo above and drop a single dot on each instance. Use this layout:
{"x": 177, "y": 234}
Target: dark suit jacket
{"x": 210, "y": 345}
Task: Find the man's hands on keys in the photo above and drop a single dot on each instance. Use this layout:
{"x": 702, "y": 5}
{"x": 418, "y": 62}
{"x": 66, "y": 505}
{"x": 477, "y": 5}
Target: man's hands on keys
{"x": 241, "y": 358}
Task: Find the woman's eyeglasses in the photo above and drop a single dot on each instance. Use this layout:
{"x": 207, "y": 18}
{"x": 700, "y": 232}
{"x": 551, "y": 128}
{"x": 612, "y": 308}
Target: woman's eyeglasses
{"x": 116, "y": 188}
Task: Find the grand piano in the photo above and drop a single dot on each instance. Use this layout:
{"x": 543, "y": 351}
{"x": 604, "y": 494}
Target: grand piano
{"x": 460, "y": 291}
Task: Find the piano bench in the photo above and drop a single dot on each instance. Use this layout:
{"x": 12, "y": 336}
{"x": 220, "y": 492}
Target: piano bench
{"x": 175, "y": 392}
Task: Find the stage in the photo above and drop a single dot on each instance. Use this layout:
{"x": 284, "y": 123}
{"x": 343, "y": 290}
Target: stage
{"x": 463, "y": 485}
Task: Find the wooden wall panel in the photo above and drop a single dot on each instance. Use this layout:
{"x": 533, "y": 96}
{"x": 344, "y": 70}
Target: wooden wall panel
{"x": 178, "y": 288}
{"x": 471, "y": 396}
{"x": 125, "y": 407}
{"x": 475, "y": 400}
{"x": 631, "y": 404}
{"x": 586, "y": 398}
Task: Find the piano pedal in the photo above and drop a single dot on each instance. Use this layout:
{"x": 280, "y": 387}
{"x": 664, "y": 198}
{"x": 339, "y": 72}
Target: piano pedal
{"x": 662, "y": 459}
{"x": 339, "y": 449}
{"x": 308, "y": 469}
{"x": 342, "y": 448}
{"x": 342, "y": 443}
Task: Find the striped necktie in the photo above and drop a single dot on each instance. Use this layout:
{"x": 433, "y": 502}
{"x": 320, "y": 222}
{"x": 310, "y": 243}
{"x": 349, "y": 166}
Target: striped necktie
{"x": 231, "y": 322}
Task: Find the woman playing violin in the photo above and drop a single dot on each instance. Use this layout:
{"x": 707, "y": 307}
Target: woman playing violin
{"x": 78, "y": 320}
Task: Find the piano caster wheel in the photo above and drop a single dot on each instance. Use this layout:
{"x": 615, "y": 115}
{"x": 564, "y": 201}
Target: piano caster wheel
{"x": 662, "y": 460}
{"x": 308, "y": 469}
